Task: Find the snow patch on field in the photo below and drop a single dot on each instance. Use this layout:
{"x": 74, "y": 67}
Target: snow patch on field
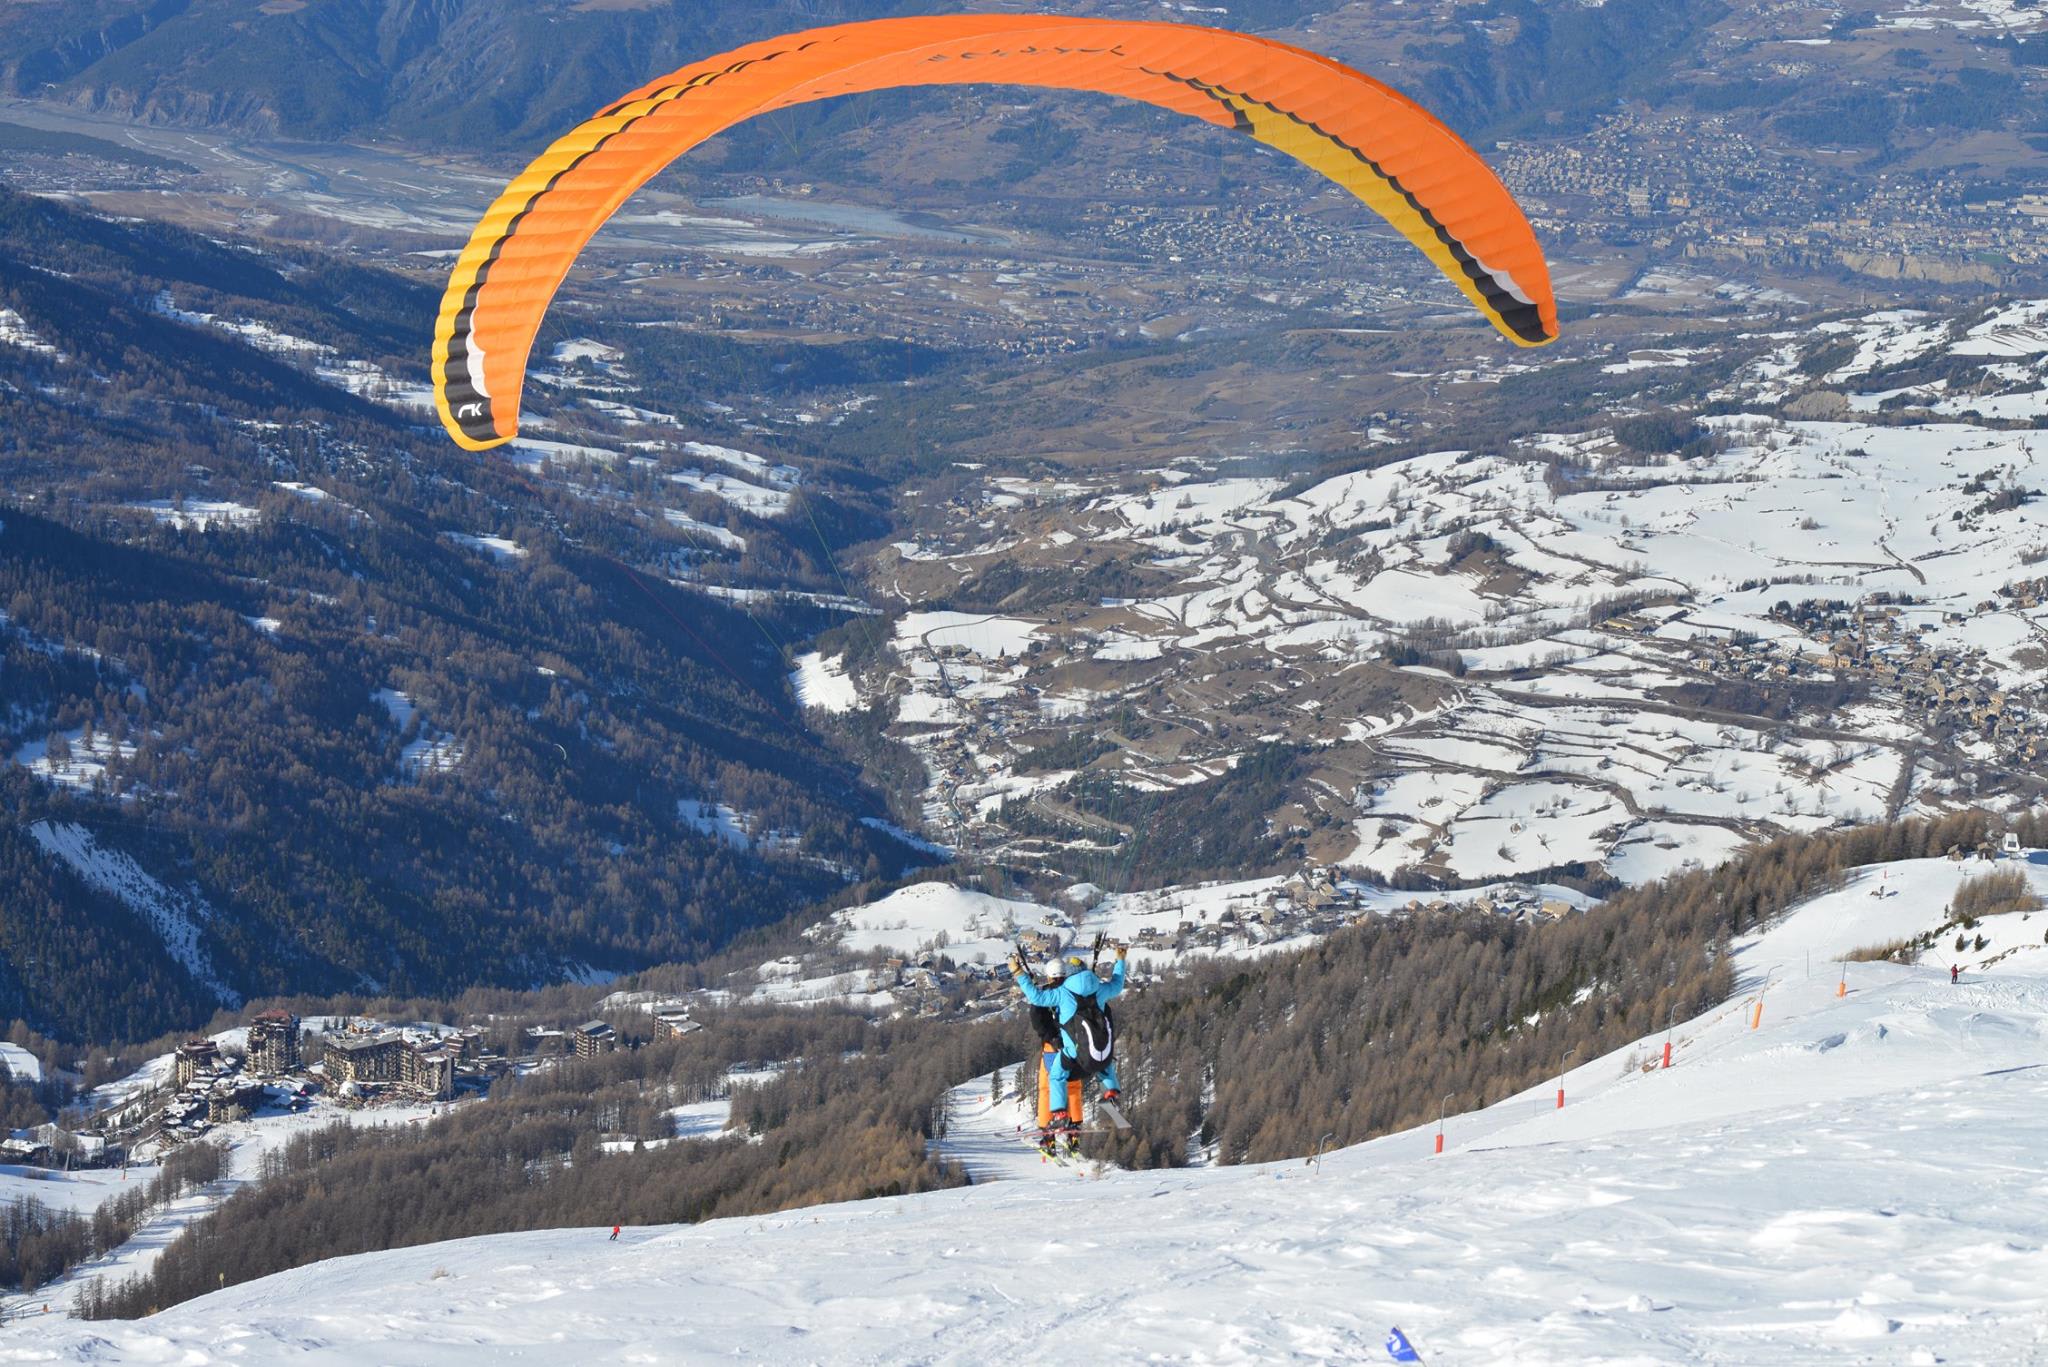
{"x": 532, "y": 453}
{"x": 584, "y": 349}
{"x": 749, "y": 498}
{"x": 200, "y": 514}
{"x": 970, "y": 927}
{"x": 981, "y": 633}
{"x": 430, "y": 751}
{"x": 19, "y": 1064}
{"x": 500, "y": 549}
{"x": 176, "y": 917}
{"x": 736, "y": 828}
{"x": 15, "y": 332}
{"x": 704, "y": 531}
{"x": 435, "y": 753}
{"x": 397, "y": 704}
{"x": 823, "y": 683}
{"x": 82, "y": 764}
{"x": 757, "y": 467}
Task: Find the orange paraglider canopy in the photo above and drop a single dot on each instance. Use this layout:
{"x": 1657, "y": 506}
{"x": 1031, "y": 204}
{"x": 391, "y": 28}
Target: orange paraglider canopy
{"x": 1372, "y": 140}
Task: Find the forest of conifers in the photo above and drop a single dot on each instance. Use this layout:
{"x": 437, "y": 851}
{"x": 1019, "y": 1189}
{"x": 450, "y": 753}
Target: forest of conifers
{"x": 228, "y": 677}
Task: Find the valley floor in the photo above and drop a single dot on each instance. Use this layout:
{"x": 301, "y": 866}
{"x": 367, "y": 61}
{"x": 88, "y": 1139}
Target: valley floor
{"x": 1858, "y": 1179}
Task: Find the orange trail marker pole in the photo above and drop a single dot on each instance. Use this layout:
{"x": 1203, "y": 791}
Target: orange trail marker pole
{"x": 1440, "y": 1119}
{"x": 1560, "y": 1076}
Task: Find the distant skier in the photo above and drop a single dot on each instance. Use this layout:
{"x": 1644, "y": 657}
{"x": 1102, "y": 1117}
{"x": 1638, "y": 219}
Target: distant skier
{"x": 1087, "y": 1041}
{"x": 615, "y": 1235}
{"x": 1954, "y": 971}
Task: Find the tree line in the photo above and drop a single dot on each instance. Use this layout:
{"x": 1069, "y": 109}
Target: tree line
{"x": 39, "y": 1243}
{"x": 850, "y": 1116}
{"x": 1364, "y": 1032}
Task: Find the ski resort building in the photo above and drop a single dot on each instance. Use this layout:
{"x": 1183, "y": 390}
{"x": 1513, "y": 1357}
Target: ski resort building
{"x": 363, "y": 1059}
{"x": 195, "y": 1058}
{"x": 673, "y": 1024}
{"x": 274, "y": 1043}
{"x": 593, "y": 1038}
{"x": 427, "y": 1071}
{"x": 232, "y": 1100}
{"x": 420, "y": 1065}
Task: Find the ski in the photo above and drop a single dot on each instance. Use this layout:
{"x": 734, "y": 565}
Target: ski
{"x": 1113, "y": 1113}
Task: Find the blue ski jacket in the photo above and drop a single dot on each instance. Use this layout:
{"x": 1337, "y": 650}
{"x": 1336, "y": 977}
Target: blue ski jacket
{"x": 1063, "y": 996}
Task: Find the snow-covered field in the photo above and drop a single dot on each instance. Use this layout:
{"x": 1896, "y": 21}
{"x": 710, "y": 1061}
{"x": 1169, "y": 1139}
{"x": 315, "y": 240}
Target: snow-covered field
{"x": 1582, "y": 590}
{"x": 1856, "y": 1179}
{"x": 19, "y": 1063}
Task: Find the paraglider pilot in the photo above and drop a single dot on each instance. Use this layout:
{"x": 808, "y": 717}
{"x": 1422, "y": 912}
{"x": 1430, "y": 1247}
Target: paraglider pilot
{"x": 1081, "y": 1037}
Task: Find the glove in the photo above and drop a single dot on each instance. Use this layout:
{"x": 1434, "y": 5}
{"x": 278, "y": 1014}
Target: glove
{"x": 1122, "y": 950}
{"x": 1016, "y": 965}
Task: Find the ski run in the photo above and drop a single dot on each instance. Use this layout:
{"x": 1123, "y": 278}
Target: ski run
{"x": 1856, "y": 1178}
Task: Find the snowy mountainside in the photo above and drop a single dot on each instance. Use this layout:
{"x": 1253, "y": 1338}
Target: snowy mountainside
{"x": 1620, "y": 649}
{"x": 217, "y": 623}
{"x": 1851, "y": 1178}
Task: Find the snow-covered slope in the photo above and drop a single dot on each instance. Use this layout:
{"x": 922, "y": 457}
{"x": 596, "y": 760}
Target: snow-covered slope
{"x": 1854, "y": 1179}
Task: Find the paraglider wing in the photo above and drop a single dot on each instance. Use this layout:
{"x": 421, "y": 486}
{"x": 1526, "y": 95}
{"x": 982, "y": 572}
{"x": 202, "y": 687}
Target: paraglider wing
{"x": 1372, "y": 140}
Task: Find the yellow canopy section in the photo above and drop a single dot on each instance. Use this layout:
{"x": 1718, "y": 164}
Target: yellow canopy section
{"x": 1372, "y": 140}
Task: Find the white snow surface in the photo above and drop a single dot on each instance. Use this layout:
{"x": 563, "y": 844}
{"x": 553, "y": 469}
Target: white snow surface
{"x": 499, "y": 548}
{"x": 86, "y": 763}
{"x": 1855, "y": 1180}
{"x": 736, "y": 828}
{"x": 15, "y": 332}
{"x": 970, "y": 926}
{"x": 83, "y": 1190}
{"x": 748, "y": 498}
{"x": 19, "y": 1064}
{"x": 201, "y": 514}
{"x": 823, "y": 683}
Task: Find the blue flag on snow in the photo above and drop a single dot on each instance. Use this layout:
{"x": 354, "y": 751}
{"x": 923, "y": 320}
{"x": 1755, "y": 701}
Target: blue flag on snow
{"x": 1399, "y": 1348}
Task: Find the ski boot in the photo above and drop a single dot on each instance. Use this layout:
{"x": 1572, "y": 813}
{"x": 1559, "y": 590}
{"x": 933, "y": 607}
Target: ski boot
{"x": 1072, "y": 1130}
{"x": 1048, "y": 1143}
